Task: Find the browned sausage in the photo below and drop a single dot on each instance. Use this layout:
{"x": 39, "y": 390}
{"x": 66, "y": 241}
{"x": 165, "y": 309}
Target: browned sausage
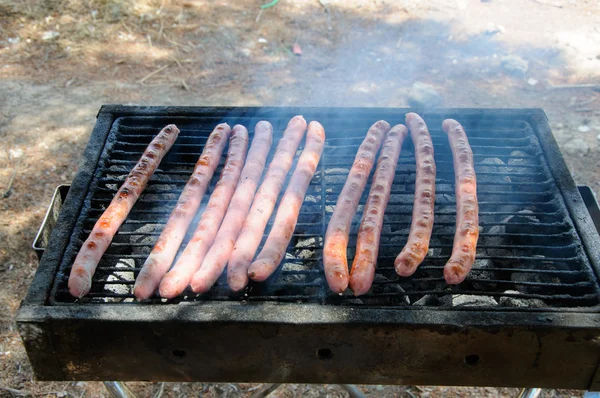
{"x": 216, "y": 259}
{"x": 417, "y": 245}
{"x": 167, "y": 245}
{"x": 335, "y": 261}
{"x": 80, "y": 279}
{"x": 367, "y": 244}
{"x": 178, "y": 278}
{"x": 281, "y": 233}
{"x": 467, "y": 208}
{"x": 252, "y": 231}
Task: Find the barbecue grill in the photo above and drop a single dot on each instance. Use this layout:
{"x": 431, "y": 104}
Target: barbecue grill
{"x": 527, "y": 315}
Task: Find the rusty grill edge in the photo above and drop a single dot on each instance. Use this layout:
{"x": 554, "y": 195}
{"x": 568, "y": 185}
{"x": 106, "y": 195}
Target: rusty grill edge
{"x": 329, "y": 339}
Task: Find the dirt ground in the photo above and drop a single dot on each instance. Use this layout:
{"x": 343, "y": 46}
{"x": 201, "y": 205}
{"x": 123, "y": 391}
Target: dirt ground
{"x": 61, "y": 59}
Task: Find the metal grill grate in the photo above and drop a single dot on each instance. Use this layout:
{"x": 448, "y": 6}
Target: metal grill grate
{"x": 529, "y": 253}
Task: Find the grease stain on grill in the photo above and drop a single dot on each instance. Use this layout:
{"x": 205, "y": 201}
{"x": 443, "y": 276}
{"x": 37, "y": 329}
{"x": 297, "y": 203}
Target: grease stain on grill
{"x": 529, "y": 254}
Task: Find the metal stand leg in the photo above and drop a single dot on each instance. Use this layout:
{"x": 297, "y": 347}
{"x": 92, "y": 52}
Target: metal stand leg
{"x": 530, "y": 393}
{"x": 353, "y": 391}
{"x": 265, "y": 390}
{"x": 118, "y": 389}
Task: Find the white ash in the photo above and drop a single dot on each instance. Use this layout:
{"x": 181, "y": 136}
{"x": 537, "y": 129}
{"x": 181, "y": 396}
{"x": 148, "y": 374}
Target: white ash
{"x": 336, "y": 179}
{"x": 312, "y": 199}
{"x": 520, "y": 170}
{"x": 465, "y": 300}
{"x": 294, "y": 266}
{"x": 520, "y": 302}
{"x": 496, "y": 166}
{"x": 434, "y": 252}
{"x": 146, "y": 229}
{"x": 305, "y": 254}
{"x": 337, "y": 170}
{"x": 167, "y": 187}
{"x": 306, "y": 242}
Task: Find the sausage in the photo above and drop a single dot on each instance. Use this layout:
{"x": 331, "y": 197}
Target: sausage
{"x": 335, "y": 261}
{"x": 417, "y": 244}
{"x": 166, "y": 247}
{"x": 367, "y": 243}
{"x": 467, "y": 208}
{"x": 178, "y": 278}
{"x": 252, "y": 231}
{"x": 216, "y": 259}
{"x": 283, "y": 228}
{"x": 80, "y": 279}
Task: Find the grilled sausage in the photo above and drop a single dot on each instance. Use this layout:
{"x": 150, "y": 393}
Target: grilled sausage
{"x": 216, "y": 259}
{"x": 167, "y": 245}
{"x": 417, "y": 245}
{"x": 252, "y": 231}
{"x": 467, "y": 208}
{"x": 281, "y": 233}
{"x": 335, "y": 261}
{"x": 80, "y": 279}
{"x": 367, "y": 244}
{"x": 178, "y": 278}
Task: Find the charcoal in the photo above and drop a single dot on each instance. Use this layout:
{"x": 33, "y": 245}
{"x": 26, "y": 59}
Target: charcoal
{"x": 520, "y": 302}
{"x": 427, "y": 300}
{"x": 444, "y": 199}
{"x": 495, "y": 166}
{"x": 529, "y": 277}
{"x": 381, "y": 287}
{"x": 496, "y": 240}
{"x": 523, "y": 217}
{"x": 481, "y": 272}
{"x": 515, "y": 171}
{"x": 466, "y": 300}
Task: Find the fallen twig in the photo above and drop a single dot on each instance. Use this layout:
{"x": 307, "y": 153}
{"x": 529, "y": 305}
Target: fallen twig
{"x": 8, "y": 190}
{"x": 566, "y": 86}
{"x": 582, "y": 103}
{"x": 149, "y": 75}
{"x": 548, "y": 4}
{"x": 14, "y": 391}
{"x": 258, "y": 16}
{"x": 176, "y": 61}
{"x": 160, "y": 391}
{"x": 184, "y": 85}
{"x": 127, "y": 28}
{"x": 173, "y": 41}
{"x": 160, "y": 31}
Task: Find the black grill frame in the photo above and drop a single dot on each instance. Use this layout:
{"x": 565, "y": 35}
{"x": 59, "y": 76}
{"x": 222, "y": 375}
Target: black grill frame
{"x": 64, "y": 341}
